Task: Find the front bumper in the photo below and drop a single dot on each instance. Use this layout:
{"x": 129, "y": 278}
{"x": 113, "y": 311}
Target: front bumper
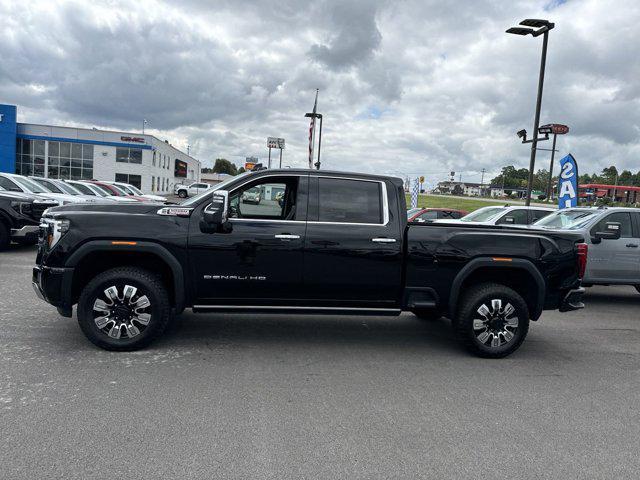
{"x": 572, "y": 300}
{"x": 53, "y": 285}
{"x": 28, "y": 231}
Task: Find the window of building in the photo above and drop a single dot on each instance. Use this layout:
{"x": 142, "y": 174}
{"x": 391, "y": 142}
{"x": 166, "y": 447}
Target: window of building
{"x": 129, "y": 155}
{"x": 349, "y": 201}
{"x": 135, "y": 180}
{"x": 153, "y": 184}
{"x": 153, "y": 160}
{"x": 70, "y": 161}
{"x": 30, "y": 157}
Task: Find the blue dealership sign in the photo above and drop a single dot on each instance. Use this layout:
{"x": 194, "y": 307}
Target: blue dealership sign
{"x": 8, "y": 130}
{"x": 568, "y": 183}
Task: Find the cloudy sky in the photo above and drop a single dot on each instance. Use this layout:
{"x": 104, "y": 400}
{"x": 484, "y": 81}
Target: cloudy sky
{"x": 406, "y": 87}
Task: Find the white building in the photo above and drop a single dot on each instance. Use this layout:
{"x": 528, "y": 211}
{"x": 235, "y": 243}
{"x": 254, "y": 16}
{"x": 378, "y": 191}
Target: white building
{"x": 150, "y": 164}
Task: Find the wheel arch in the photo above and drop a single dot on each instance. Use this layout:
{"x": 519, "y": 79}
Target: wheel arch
{"x": 95, "y": 257}
{"x": 519, "y": 274}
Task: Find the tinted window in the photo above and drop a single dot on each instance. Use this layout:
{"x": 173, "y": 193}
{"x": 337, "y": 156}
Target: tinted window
{"x": 9, "y": 185}
{"x": 431, "y": 215}
{"x": 449, "y": 214}
{"x": 538, "y": 214}
{"x": 520, "y": 217}
{"x": 624, "y": 218}
{"x": 349, "y": 201}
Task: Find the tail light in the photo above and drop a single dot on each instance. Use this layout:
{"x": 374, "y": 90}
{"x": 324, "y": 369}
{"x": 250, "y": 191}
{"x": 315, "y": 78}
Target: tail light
{"x": 583, "y": 249}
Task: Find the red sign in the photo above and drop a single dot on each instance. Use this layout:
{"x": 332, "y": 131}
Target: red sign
{"x": 132, "y": 139}
{"x": 556, "y": 128}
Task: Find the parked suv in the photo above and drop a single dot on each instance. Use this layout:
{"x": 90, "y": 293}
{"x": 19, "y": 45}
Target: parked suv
{"x": 184, "y": 191}
{"x": 20, "y": 216}
{"x": 504, "y": 215}
{"x": 613, "y": 236}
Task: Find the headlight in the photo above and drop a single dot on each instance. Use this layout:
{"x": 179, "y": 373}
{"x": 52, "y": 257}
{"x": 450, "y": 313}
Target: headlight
{"x": 55, "y": 229}
{"x": 23, "y": 208}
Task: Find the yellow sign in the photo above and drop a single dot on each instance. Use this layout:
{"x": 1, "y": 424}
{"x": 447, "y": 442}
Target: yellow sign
{"x": 421, "y": 179}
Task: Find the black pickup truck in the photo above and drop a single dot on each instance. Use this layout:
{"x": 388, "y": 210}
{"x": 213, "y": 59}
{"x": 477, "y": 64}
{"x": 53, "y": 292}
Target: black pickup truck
{"x": 20, "y": 217}
{"x": 318, "y": 241}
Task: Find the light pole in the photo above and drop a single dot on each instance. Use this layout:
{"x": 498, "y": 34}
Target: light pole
{"x": 539, "y": 27}
{"x": 144, "y": 122}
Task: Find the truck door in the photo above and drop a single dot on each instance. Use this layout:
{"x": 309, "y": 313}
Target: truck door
{"x": 353, "y": 247}
{"x": 259, "y": 261}
{"x": 618, "y": 260}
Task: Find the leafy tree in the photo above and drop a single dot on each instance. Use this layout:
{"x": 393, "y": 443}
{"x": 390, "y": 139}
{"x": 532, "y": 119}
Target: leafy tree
{"x": 223, "y": 165}
{"x": 457, "y": 190}
{"x": 625, "y": 178}
{"x": 241, "y": 170}
{"x": 609, "y": 174}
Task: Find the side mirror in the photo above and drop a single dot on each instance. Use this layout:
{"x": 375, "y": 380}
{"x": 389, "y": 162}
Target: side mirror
{"x": 216, "y": 214}
{"x": 611, "y": 232}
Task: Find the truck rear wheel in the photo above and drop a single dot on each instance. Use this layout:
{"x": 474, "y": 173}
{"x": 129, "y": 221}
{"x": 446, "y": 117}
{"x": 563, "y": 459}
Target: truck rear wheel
{"x": 124, "y": 309}
{"x": 182, "y": 193}
{"x": 492, "y": 320}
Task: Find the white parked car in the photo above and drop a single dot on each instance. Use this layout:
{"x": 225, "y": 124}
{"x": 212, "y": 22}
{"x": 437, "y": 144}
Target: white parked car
{"x": 59, "y": 186}
{"x": 18, "y": 183}
{"x": 88, "y": 188}
{"x": 184, "y": 191}
{"x": 503, "y": 215}
{"x": 135, "y": 191}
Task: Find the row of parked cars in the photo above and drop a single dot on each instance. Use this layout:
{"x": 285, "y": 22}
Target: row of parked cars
{"x": 612, "y": 234}
{"x": 24, "y": 199}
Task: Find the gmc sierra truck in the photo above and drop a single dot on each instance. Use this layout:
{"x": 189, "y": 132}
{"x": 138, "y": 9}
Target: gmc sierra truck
{"x": 318, "y": 242}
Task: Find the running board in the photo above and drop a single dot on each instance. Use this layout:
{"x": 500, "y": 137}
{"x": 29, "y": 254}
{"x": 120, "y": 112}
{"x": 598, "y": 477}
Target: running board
{"x": 290, "y": 309}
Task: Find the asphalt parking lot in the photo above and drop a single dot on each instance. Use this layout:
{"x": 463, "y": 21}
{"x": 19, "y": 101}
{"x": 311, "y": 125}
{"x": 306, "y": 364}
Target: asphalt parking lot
{"x": 265, "y": 396}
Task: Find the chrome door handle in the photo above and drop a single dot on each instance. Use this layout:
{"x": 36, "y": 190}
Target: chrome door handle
{"x": 286, "y": 236}
{"x": 383, "y": 240}
{"x": 632, "y": 245}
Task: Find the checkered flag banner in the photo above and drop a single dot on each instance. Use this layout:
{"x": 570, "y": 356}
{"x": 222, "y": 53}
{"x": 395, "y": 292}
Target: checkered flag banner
{"x": 415, "y": 192}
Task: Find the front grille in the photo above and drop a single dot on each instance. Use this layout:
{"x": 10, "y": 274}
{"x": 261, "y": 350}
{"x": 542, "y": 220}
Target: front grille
{"x": 39, "y": 208}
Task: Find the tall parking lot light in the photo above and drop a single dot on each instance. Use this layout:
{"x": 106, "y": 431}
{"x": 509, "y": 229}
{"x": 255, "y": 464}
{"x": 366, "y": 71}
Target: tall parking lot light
{"x": 535, "y": 28}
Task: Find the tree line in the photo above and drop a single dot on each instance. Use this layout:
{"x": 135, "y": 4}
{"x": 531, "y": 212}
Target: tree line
{"x": 222, "y": 165}
{"x": 517, "y": 178}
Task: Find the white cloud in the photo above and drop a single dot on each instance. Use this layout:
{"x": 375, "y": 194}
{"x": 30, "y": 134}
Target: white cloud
{"x": 419, "y": 87}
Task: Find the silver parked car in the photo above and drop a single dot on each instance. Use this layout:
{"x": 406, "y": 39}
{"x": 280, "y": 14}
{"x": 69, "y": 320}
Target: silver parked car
{"x": 613, "y": 238}
{"x": 503, "y": 215}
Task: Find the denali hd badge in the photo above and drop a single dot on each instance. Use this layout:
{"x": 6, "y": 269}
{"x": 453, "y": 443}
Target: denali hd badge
{"x": 234, "y": 277}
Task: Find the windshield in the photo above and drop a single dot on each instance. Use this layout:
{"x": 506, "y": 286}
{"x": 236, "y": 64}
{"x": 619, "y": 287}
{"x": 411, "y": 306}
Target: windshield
{"x": 120, "y": 190}
{"x": 483, "y": 214}
{"x": 84, "y": 189}
{"x": 66, "y": 188}
{"x": 134, "y": 190}
{"x": 31, "y": 186}
{"x": 48, "y": 185}
{"x": 412, "y": 211}
{"x": 568, "y": 219}
{"x": 220, "y": 186}
{"x": 103, "y": 190}
{"x": 126, "y": 188}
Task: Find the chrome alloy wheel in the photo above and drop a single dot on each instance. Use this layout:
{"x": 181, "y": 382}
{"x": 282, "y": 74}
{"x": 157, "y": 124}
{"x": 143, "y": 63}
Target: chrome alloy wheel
{"x": 496, "y": 326}
{"x": 122, "y": 316}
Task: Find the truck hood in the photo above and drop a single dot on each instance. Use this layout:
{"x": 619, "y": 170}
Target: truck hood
{"x": 133, "y": 208}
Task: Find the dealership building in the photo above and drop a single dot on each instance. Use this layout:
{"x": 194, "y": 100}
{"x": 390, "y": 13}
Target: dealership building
{"x": 150, "y": 164}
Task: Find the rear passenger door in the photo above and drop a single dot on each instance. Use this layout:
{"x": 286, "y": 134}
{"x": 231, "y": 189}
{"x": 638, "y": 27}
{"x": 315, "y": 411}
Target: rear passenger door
{"x": 353, "y": 246}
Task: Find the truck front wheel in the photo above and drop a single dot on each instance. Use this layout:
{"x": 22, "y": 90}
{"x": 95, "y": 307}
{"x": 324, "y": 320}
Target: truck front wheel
{"x": 492, "y": 320}
{"x": 182, "y": 193}
{"x": 124, "y": 309}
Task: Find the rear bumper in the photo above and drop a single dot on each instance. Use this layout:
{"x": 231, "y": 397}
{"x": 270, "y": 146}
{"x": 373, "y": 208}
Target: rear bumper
{"x": 572, "y": 300}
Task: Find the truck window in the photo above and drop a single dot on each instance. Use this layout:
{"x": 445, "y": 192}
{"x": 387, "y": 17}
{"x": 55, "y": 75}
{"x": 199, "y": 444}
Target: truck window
{"x": 624, "y": 218}
{"x": 271, "y": 199}
{"x": 349, "y": 201}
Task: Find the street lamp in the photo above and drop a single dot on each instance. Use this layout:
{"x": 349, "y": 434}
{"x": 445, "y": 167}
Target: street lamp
{"x": 535, "y": 28}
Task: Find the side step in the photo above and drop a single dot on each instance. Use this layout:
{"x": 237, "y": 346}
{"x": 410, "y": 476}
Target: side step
{"x": 296, "y": 309}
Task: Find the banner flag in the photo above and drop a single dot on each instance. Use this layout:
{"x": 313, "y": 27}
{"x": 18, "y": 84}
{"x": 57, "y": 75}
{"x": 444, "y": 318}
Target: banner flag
{"x": 568, "y": 183}
{"x": 415, "y": 192}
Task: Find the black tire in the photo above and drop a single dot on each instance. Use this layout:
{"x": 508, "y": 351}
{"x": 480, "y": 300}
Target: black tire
{"x": 494, "y": 326}
{"x": 147, "y": 284}
{"x": 182, "y": 193}
{"x": 5, "y": 238}
{"x": 427, "y": 315}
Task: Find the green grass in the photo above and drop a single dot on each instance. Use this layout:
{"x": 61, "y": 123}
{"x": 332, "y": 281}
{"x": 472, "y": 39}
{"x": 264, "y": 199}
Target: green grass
{"x": 454, "y": 203}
